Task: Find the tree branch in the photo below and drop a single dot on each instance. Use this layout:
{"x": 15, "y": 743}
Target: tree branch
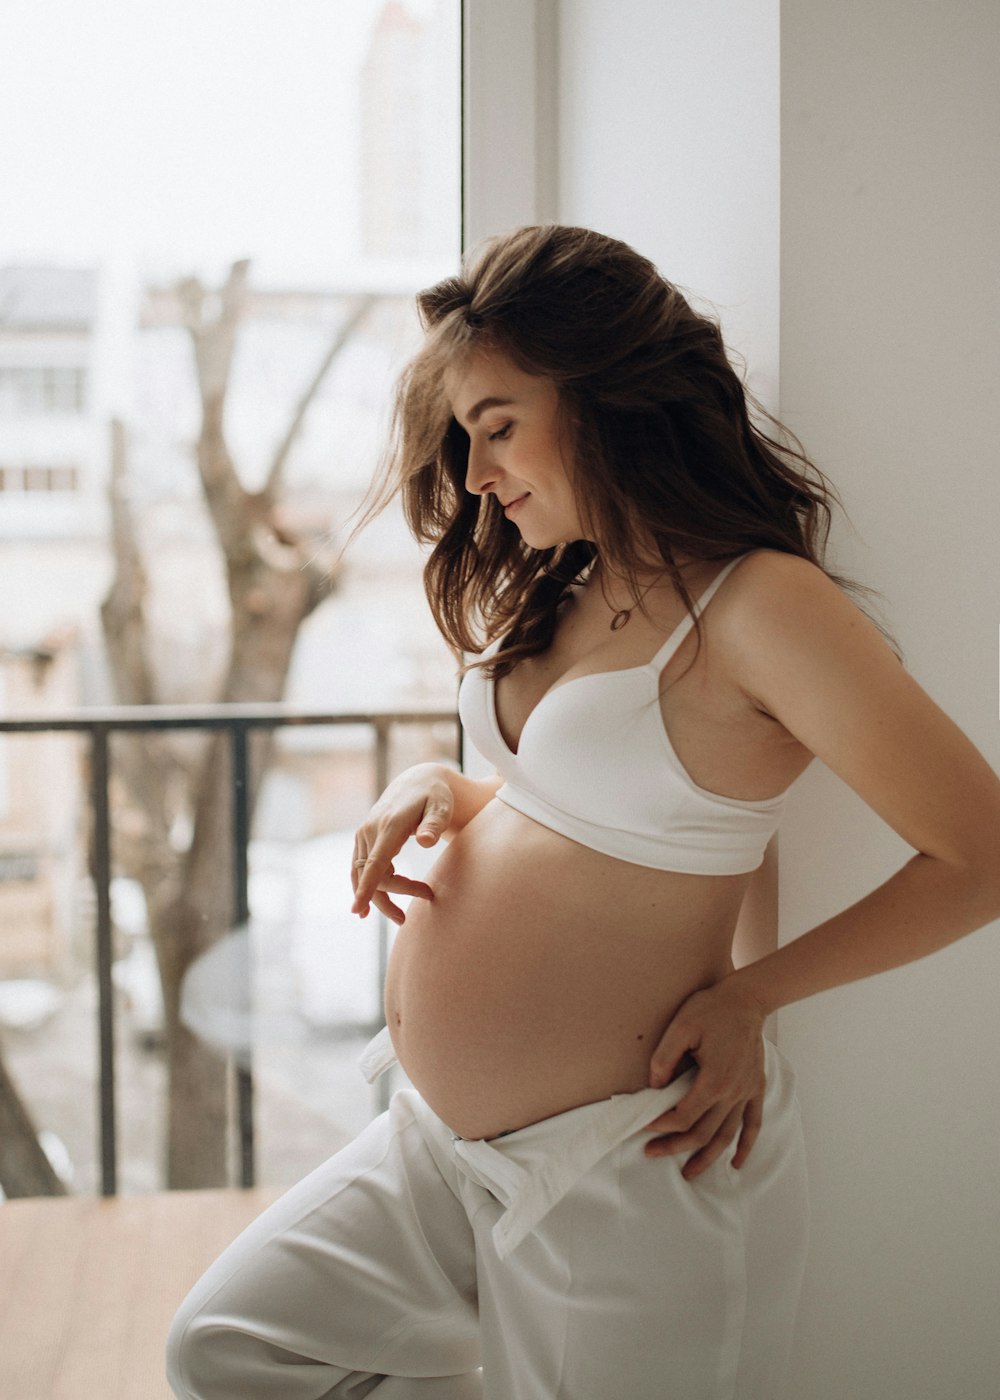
{"x": 276, "y": 473}
{"x": 122, "y": 610}
{"x": 214, "y": 338}
{"x": 214, "y": 341}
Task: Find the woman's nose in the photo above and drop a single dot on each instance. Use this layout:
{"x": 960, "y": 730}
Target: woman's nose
{"x": 480, "y": 471}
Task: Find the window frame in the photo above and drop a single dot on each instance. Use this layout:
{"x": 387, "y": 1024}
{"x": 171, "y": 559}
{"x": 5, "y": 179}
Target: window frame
{"x": 509, "y": 116}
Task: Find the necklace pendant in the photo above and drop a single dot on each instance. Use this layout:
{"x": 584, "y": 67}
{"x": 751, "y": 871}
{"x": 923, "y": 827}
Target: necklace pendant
{"x": 620, "y": 618}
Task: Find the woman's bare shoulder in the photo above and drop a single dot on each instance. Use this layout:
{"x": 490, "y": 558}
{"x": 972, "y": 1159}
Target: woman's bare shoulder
{"x": 804, "y": 652}
{"x": 779, "y": 606}
{"x": 762, "y": 569}
{"x": 771, "y": 587}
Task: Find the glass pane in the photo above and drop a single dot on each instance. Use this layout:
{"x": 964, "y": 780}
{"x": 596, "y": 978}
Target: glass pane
{"x": 215, "y": 212}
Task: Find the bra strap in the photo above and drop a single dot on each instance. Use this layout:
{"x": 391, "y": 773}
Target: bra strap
{"x": 687, "y": 622}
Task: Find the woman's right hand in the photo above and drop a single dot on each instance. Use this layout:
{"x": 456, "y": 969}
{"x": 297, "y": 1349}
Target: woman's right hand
{"x": 419, "y": 803}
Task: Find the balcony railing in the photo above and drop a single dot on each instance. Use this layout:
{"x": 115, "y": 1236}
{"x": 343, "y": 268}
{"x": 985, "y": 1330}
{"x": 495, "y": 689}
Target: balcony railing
{"x": 237, "y": 721}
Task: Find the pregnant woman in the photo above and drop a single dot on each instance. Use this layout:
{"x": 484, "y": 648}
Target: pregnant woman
{"x": 595, "y": 1188}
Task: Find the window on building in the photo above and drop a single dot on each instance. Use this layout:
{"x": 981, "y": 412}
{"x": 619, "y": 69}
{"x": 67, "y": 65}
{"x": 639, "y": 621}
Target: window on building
{"x": 15, "y": 480}
{"x": 33, "y": 391}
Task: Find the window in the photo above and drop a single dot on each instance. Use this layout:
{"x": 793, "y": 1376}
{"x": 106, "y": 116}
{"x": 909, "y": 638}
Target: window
{"x": 314, "y": 167}
{"x": 14, "y": 480}
{"x": 49, "y": 389}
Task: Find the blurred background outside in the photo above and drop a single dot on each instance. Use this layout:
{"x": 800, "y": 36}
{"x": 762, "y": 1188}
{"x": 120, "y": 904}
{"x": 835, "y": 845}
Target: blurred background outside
{"x": 206, "y": 193}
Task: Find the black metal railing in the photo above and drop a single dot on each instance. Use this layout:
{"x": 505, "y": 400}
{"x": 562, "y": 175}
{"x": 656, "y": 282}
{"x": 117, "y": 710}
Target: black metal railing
{"x": 238, "y": 721}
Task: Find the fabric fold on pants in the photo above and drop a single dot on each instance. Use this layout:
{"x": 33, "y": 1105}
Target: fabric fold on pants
{"x": 521, "y": 1169}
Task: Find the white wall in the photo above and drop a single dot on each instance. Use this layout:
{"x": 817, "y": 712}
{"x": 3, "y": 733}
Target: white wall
{"x": 890, "y": 371}
{"x": 663, "y": 128}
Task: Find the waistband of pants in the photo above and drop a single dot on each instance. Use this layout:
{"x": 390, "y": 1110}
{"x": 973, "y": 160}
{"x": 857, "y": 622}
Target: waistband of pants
{"x": 377, "y": 1056}
{"x": 530, "y": 1169}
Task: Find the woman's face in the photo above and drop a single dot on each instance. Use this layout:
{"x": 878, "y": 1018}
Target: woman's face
{"x": 515, "y": 453}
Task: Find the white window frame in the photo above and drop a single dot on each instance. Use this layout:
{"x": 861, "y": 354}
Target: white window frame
{"x": 509, "y": 135}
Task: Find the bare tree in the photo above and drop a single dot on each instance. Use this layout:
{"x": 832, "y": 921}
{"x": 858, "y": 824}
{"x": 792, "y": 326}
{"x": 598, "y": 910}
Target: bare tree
{"x": 274, "y": 583}
{"x": 25, "y": 1170}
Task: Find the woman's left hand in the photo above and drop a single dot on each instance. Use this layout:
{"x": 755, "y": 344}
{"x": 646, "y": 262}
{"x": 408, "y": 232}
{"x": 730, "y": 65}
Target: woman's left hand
{"x": 723, "y": 1032}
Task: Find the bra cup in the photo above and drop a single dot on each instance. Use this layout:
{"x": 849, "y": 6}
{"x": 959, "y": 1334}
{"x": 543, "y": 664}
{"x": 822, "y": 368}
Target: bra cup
{"x": 595, "y": 763}
{"x": 597, "y": 751}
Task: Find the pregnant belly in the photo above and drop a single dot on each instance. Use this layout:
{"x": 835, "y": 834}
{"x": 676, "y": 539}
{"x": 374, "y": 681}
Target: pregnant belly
{"x": 542, "y": 974}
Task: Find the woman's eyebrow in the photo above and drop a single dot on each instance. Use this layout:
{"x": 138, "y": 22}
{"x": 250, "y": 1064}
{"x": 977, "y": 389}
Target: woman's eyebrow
{"x": 480, "y": 408}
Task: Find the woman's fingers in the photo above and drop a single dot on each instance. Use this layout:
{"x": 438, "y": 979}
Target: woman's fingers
{"x": 704, "y": 1121}
{"x": 372, "y": 885}
{"x": 398, "y": 884}
{"x": 358, "y": 863}
{"x": 384, "y": 905}
{"x": 402, "y": 884}
{"x": 434, "y": 822}
{"x": 753, "y": 1116}
{"x": 701, "y": 1099}
{"x": 672, "y": 1143}
{"x": 707, "y": 1141}
{"x": 720, "y": 1142}
{"x": 359, "y": 867}
{"x": 372, "y": 866}
{"x": 374, "y": 853}
{"x": 408, "y": 808}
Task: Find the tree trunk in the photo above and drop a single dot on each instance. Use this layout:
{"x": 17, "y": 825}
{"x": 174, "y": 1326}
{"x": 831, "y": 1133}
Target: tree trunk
{"x": 184, "y": 923}
{"x": 24, "y": 1168}
{"x": 197, "y": 1139}
{"x": 202, "y": 910}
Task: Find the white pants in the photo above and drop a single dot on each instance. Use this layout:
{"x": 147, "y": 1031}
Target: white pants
{"x": 559, "y": 1258}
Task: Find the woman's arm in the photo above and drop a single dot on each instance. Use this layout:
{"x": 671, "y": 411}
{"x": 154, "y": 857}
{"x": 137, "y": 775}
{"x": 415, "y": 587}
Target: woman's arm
{"x": 823, "y": 669}
{"x": 428, "y": 801}
{"x": 808, "y": 656}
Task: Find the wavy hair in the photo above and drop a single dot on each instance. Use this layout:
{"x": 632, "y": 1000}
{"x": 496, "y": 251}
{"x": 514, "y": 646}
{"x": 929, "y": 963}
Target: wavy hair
{"x": 660, "y": 441}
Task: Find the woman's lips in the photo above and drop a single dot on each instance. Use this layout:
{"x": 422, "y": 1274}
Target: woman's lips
{"x": 514, "y": 504}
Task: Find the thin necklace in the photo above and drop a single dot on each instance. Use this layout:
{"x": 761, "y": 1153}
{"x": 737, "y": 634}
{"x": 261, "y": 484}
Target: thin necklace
{"x": 623, "y": 614}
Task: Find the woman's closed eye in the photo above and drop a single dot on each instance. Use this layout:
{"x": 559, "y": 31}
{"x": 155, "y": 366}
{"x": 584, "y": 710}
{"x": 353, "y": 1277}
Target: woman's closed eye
{"x": 501, "y": 433}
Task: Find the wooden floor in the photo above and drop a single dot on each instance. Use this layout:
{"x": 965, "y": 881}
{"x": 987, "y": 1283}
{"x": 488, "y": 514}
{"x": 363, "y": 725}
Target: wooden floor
{"x": 88, "y": 1287}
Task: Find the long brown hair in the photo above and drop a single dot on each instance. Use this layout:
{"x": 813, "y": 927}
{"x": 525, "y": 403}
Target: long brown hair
{"x": 658, "y": 430}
